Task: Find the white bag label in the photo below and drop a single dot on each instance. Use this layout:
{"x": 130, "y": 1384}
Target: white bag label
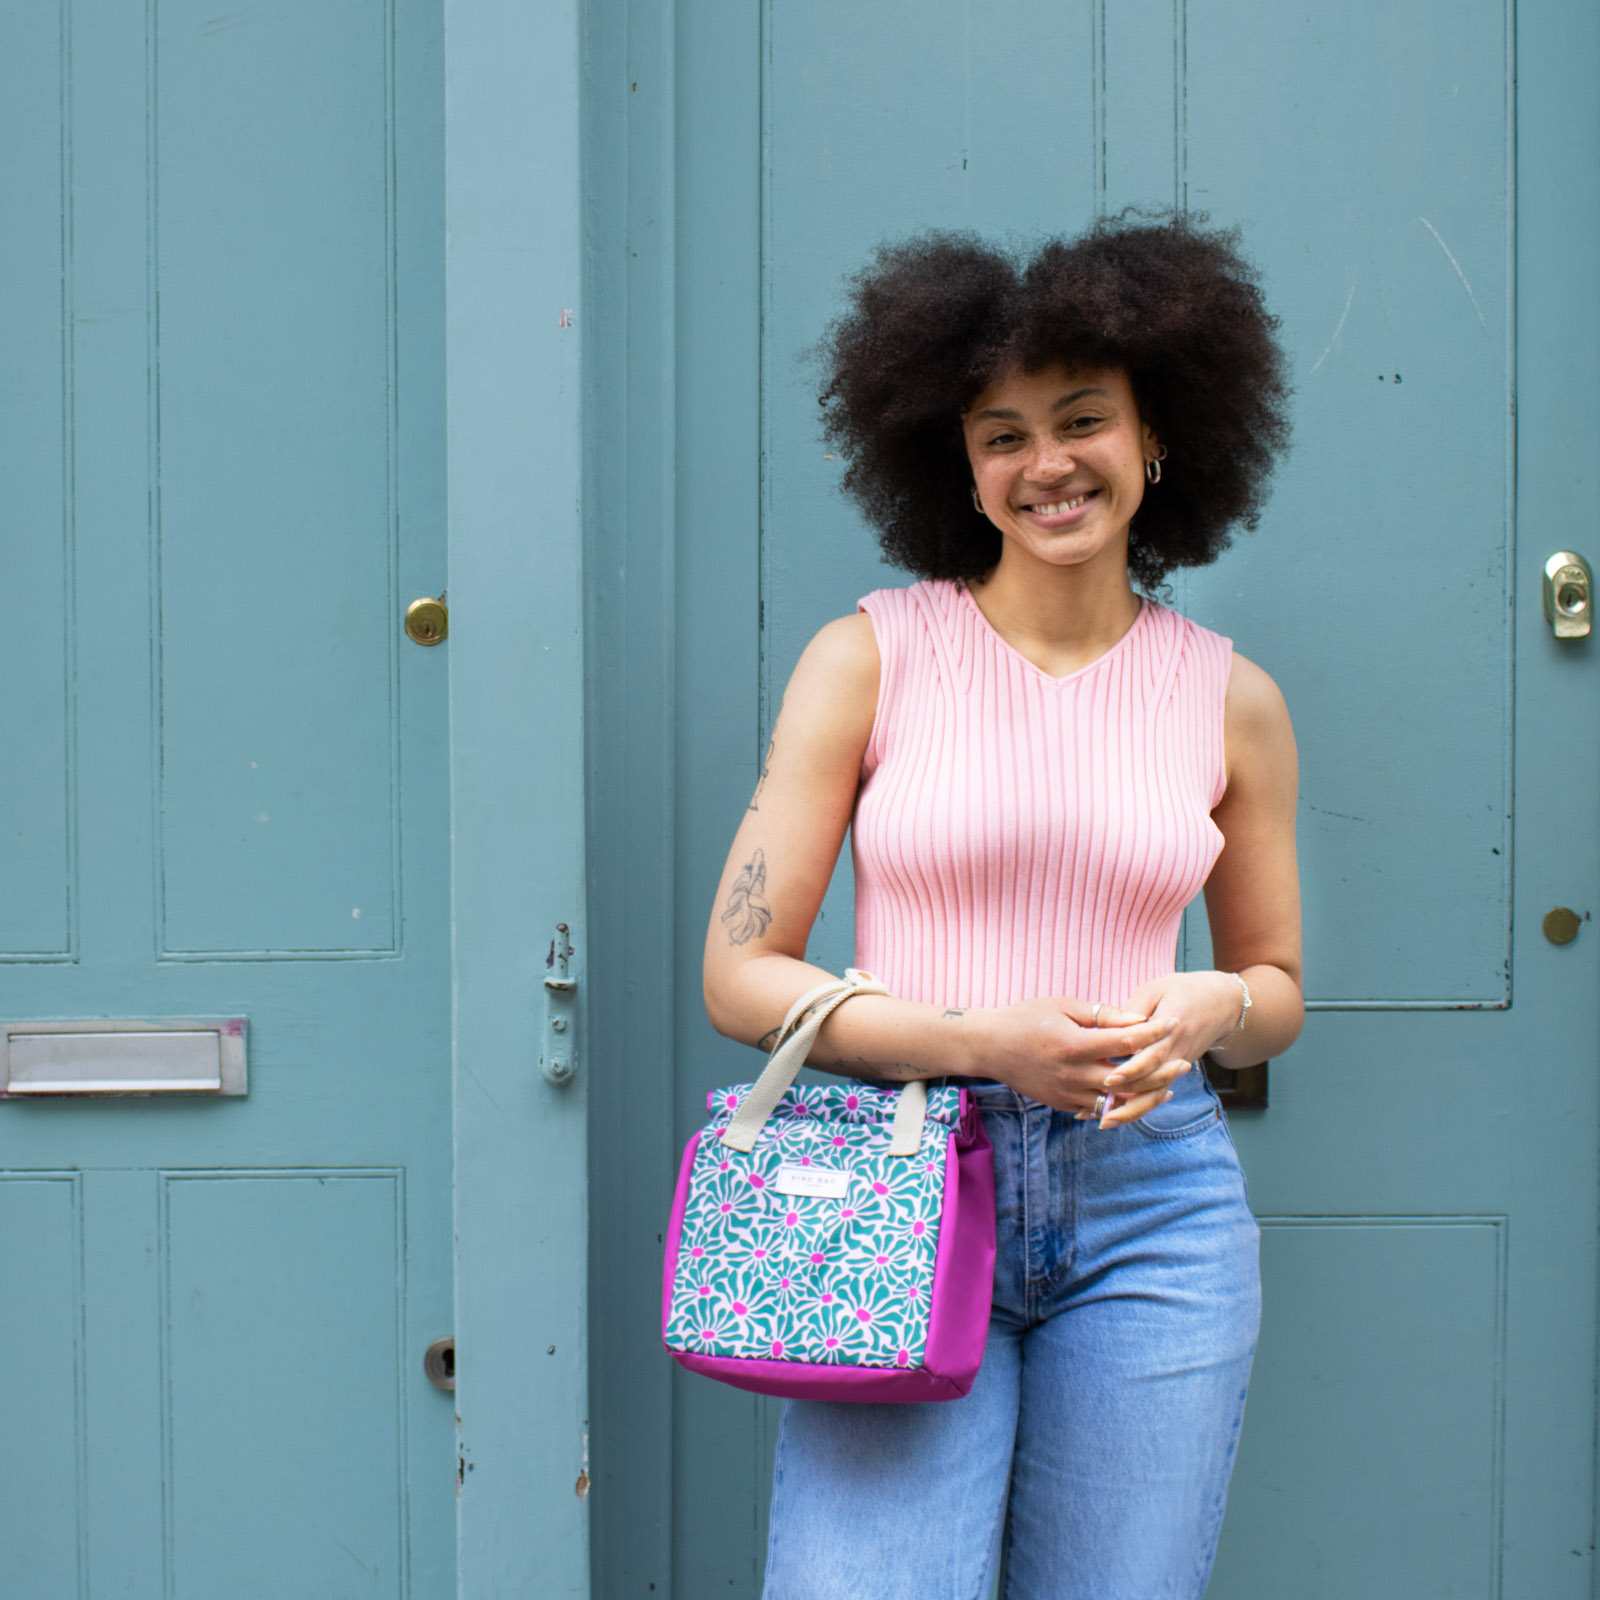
{"x": 827, "y": 1183}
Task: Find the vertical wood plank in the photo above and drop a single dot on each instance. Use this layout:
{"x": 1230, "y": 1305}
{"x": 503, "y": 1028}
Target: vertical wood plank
{"x": 514, "y": 321}
{"x": 630, "y": 398}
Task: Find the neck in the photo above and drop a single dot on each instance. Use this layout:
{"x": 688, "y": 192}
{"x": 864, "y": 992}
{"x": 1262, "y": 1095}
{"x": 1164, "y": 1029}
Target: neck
{"x": 1061, "y": 618}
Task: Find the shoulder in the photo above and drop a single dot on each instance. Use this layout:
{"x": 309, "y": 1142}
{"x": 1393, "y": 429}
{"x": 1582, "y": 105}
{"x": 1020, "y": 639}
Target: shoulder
{"x": 843, "y": 653}
{"x": 1259, "y": 734}
{"x": 833, "y": 692}
{"x": 1254, "y": 699}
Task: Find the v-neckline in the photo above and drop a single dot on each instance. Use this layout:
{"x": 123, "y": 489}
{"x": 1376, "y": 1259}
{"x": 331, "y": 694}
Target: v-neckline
{"x": 1033, "y": 666}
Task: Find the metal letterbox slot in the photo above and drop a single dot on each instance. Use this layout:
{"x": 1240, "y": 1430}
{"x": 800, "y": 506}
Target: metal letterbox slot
{"x": 94, "y": 1057}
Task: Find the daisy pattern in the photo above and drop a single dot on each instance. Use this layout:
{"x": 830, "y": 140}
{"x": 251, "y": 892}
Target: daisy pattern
{"x": 766, "y": 1274}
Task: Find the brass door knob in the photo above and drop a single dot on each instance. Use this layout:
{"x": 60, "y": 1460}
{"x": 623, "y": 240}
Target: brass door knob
{"x": 1561, "y": 925}
{"x": 428, "y": 621}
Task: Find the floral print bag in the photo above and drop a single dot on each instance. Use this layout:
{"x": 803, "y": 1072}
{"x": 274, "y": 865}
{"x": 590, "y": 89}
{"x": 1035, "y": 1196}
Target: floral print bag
{"x": 832, "y": 1241}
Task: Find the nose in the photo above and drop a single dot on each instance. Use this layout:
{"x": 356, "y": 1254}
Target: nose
{"x": 1051, "y": 459}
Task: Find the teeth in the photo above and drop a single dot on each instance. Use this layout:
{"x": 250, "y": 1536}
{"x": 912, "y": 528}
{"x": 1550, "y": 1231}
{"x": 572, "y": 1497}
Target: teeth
{"x": 1060, "y": 506}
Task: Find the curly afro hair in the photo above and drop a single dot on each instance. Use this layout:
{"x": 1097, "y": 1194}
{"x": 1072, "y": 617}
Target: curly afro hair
{"x": 932, "y": 321}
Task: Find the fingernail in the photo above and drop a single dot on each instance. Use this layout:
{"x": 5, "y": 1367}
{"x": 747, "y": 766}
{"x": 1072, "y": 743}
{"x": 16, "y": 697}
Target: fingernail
{"x": 1172, "y": 1026}
{"x": 1082, "y": 1116}
{"x": 1113, "y": 1081}
{"x": 1169, "y": 1094}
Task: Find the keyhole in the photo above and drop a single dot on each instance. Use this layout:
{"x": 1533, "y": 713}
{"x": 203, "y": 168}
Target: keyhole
{"x": 1572, "y": 599}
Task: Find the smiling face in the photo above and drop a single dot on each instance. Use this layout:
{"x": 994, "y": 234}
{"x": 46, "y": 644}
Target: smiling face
{"x": 1058, "y": 457}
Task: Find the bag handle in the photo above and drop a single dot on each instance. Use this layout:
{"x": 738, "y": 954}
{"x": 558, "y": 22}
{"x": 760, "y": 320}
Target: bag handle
{"x": 795, "y": 1039}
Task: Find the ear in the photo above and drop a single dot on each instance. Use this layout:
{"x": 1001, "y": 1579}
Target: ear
{"x": 1152, "y": 445}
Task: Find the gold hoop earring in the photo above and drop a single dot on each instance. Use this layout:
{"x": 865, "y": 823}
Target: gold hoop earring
{"x": 977, "y": 504}
{"x": 1152, "y": 468}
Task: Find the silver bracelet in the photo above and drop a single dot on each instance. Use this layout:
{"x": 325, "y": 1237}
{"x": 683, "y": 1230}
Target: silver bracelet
{"x": 1244, "y": 1010}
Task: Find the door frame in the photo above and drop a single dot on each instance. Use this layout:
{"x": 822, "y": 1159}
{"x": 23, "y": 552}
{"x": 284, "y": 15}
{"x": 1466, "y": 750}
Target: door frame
{"x": 513, "y": 339}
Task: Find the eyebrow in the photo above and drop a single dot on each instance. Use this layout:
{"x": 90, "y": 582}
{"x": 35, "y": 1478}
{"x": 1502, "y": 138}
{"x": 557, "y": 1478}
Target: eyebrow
{"x": 1001, "y": 415}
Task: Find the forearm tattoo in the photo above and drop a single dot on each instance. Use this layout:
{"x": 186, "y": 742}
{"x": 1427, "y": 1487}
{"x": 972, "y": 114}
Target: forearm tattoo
{"x": 747, "y": 913}
{"x": 768, "y": 1039}
{"x": 951, "y": 1016}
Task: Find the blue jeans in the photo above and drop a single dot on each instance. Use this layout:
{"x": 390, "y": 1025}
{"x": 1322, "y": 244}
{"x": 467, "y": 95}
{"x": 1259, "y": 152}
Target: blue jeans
{"x": 1100, "y": 1434}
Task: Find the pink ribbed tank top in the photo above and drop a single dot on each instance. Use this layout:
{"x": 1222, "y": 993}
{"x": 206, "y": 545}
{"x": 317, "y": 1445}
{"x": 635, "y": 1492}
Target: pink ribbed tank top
{"x": 1020, "y": 835}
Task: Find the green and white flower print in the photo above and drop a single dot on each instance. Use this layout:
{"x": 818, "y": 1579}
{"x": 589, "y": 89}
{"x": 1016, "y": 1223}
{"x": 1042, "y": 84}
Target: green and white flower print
{"x": 819, "y": 1245}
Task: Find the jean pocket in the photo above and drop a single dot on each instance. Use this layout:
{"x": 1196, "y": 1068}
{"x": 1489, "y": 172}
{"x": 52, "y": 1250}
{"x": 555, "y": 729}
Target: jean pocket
{"x": 1194, "y": 1109}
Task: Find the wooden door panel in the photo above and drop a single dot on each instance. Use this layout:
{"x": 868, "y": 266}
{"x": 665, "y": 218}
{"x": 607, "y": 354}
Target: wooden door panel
{"x": 41, "y": 1322}
{"x": 35, "y": 464}
{"x": 275, "y": 516}
{"x": 1382, "y": 224}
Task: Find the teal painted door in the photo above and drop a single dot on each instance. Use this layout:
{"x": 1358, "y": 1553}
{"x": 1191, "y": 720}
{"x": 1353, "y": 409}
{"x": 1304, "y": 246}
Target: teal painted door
{"x": 1415, "y": 180}
{"x": 221, "y": 440}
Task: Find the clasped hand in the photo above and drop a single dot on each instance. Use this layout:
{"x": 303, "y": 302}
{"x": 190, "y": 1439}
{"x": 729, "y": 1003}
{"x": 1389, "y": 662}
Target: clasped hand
{"x": 1064, "y": 1052}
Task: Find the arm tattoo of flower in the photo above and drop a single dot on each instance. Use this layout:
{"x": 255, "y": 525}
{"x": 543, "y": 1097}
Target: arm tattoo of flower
{"x": 747, "y": 913}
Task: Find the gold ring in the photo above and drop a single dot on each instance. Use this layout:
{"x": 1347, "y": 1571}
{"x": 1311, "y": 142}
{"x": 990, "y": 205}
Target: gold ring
{"x": 1099, "y": 1105}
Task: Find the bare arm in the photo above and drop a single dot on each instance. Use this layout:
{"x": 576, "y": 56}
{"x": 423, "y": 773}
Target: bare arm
{"x": 1252, "y": 895}
{"x": 778, "y": 871}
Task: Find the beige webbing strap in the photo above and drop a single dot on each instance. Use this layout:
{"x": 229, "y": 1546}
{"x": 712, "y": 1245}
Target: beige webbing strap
{"x": 910, "y": 1113}
{"x": 795, "y": 1039}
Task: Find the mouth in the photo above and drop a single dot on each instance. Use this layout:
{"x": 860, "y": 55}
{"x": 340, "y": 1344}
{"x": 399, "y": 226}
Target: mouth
{"x": 1055, "y": 510}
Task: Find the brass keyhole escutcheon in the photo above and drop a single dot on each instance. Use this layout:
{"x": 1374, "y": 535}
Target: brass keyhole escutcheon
{"x": 1568, "y": 595}
{"x": 428, "y": 621}
{"x": 1561, "y": 925}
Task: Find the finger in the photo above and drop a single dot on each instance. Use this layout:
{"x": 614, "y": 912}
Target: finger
{"x": 1130, "y": 1040}
{"x": 1117, "y": 1017}
{"x": 1100, "y": 1013}
{"x": 1140, "y": 1064}
{"x": 1161, "y": 1080}
{"x": 1140, "y": 1105}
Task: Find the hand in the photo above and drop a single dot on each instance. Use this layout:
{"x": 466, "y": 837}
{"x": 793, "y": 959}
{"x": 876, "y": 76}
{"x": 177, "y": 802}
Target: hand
{"x": 1199, "y": 1008}
{"x": 1057, "y": 1051}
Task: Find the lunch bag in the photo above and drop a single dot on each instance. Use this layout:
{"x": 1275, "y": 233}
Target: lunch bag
{"x": 832, "y": 1241}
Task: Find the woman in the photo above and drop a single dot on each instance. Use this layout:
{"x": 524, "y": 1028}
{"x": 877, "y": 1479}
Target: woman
{"x": 1041, "y": 767}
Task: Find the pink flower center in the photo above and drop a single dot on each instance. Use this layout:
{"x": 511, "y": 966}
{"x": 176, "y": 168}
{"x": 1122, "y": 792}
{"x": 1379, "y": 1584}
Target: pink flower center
{"x": 880, "y": 1188}
{"x": 757, "y": 1181}
{"x": 882, "y": 1261}
{"x": 862, "y": 1314}
{"x": 740, "y": 1309}
{"x": 902, "y": 1358}
{"x": 846, "y": 1214}
{"x": 792, "y": 1220}
{"x": 760, "y": 1255}
{"x": 777, "y": 1349}
{"x": 697, "y": 1252}
{"x": 919, "y": 1228}
{"x": 852, "y": 1102}
{"x": 704, "y": 1290}
{"x": 783, "y": 1283}
{"x": 838, "y": 1141}
{"x": 832, "y": 1344}
{"x": 816, "y": 1258}
{"x": 725, "y": 1207}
